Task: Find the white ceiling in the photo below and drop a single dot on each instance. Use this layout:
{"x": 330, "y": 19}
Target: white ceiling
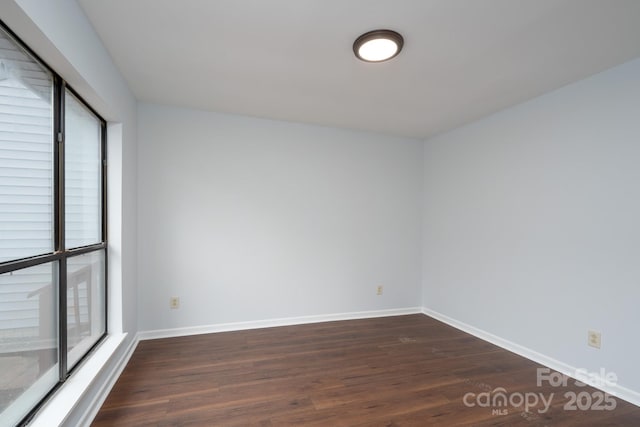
{"x": 293, "y": 59}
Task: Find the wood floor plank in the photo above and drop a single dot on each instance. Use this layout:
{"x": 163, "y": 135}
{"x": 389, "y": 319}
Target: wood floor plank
{"x": 395, "y": 371}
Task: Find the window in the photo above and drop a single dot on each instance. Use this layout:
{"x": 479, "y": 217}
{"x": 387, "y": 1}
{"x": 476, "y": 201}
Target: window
{"x": 53, "y": 255}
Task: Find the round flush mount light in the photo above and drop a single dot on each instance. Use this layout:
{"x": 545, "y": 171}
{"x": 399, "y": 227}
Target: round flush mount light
{"x": 378, "y": 45}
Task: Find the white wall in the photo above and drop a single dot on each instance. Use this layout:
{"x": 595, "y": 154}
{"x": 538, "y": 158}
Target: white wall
{"x": 59, "y": 32}
{"x": 532, "y": 223}
{"x": 247, "y": 219}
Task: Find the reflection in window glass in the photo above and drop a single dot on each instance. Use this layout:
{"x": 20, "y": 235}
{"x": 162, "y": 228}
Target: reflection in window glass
{"x": 26, "y": 154}
{"x": 28, "y": 339}
{"x": 85, "y": 303}
{"x": 83, "y": 166}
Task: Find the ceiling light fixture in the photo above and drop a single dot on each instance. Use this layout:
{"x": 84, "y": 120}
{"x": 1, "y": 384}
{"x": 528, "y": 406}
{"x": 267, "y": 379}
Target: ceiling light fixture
{"x": 378, "y": 45}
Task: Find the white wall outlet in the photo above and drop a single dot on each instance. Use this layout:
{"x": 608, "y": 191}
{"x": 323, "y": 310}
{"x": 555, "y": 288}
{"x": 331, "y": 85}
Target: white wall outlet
{"x": 379, "y": 290}
{"x": 174, "y": 302}
{"x": 594, "y": 339}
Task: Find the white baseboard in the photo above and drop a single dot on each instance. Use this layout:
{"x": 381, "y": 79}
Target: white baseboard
{"x": 621, "y": 392}
{"x": 98, "y": 399}
{"x": 269, "y": 323}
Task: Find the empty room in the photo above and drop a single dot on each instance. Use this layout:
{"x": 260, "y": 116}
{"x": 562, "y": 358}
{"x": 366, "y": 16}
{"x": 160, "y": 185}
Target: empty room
{"x": 319, "y": 213}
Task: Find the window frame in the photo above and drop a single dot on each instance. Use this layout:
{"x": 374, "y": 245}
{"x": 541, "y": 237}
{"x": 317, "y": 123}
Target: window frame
{"x": 60, "y": 253}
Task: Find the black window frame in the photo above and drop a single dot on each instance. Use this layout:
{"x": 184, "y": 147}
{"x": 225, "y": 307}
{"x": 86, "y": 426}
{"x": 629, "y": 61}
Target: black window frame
{"x": 60, "y": 253}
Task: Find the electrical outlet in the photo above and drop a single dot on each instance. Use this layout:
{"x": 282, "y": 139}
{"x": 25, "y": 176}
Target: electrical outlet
{"x": 594, "y": 339}
{"x": 379, "y": 290}
{"x": 174, "y": 302}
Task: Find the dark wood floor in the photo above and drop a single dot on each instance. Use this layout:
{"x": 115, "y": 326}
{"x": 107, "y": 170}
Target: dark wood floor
{"x": 394, "y": 371}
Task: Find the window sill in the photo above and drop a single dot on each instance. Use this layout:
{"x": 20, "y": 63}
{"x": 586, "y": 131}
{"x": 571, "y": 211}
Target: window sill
{"x": 59, "y": 406}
